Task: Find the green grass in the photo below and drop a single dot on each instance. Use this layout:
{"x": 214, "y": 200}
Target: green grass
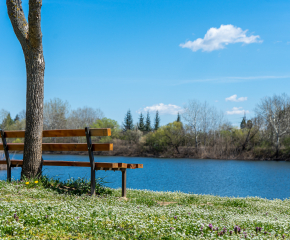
{"x": 51, "y": 209}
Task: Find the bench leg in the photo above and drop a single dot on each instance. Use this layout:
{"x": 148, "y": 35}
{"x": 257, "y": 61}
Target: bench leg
{"x": 124, "y": 183}
{"x": 6, "y": 152}
{"x": 8, "y": 173}
{"x": 93, "y": 182}
{"x": 92, "y": 161}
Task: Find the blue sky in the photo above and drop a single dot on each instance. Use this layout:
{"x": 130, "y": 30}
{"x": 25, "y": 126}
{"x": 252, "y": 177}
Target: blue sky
{"x": 120, "y": 55}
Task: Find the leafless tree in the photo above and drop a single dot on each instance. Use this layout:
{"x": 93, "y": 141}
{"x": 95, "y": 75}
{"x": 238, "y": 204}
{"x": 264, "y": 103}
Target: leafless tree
{"x": 211, "y": 119}
{"x": 55, "y": 113}
{"x": 192, "y": 114}
{"x": 205, "y": 120}
{"x": 202, "y": 118}
{"x": 30, "y": 37}
{"x": 22, "y": 115}
{"x": 3, "y": 114}
{"x": 275, "y": 111}
{"x": 83, "y": 117}
{"x": 217, "y": 120}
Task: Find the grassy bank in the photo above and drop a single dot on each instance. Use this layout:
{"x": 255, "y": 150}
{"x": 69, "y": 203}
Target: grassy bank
{"x": 51, "y": 210}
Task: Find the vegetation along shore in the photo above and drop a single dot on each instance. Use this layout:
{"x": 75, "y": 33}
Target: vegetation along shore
{"x": 200, "y": 131}
{"x": 49, "y": 209}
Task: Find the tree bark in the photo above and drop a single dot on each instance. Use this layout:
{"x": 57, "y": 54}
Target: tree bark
{"x": 196, "y": 140}
{"x": 30, "y": 37}
{"x": 277, "y": 146}
{"x": 176, "y": 147}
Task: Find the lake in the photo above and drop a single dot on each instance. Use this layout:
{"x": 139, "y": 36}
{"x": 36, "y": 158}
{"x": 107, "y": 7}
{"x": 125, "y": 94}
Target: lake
{"x": 266, "y": 179}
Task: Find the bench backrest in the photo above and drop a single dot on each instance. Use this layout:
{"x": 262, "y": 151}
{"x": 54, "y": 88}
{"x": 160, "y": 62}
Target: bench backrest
{"x": 61, "y": 146}
{"x": 62, "y": 133}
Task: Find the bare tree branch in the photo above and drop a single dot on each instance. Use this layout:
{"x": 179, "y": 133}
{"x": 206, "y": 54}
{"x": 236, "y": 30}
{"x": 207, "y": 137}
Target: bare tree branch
{"x": 19, "y": 23}
{"x": 34, "y": 20}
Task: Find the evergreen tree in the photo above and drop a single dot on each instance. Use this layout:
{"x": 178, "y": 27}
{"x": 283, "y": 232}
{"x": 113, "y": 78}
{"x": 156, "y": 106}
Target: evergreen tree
{"x": 141, "y": 125}
{"x": 157, "y": 121}
{"x": 178, "y": 117}
{"x": 128, "y": 122}
{"x": 7, "y": 122}
{"x": 16, "y": 118}
{"x": 148, "y": 123}
{"x": 244, "y": 122}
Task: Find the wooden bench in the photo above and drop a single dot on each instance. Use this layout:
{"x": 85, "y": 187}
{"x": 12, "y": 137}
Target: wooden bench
{"x": 89, "y": 146}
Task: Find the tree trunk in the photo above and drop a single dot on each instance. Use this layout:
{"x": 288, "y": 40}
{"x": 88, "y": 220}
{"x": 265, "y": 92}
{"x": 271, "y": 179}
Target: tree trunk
{"x": 176, "y": 147}
{"x": 195, "y": 136}
{"x": 246, "y": 141}
{"x": 30, "y": 37}
{"x": 277, "y": 146}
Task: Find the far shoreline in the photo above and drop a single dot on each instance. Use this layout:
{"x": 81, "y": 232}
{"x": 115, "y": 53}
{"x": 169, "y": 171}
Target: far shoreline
{"x": 173, "y": 156}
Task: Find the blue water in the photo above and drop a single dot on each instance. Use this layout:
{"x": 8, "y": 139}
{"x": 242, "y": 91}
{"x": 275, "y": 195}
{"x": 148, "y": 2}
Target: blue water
{"x": 218, "y": 177}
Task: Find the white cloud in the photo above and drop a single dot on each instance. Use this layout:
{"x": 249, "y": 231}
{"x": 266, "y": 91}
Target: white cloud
{"x": 237, "y": 111}
{"x": 235, "y": 99}
{"x": 163, "y": 109}
{"x": 217, "y": 38}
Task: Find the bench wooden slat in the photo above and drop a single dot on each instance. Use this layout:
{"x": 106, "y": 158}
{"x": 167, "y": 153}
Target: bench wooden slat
{"x": 135, "y": 165}
{"x": 14, "y": 134}
{"x": 63, "y": 147}
{"x": 130, "y": 165}
{"x": 122, "y": 165}
{"x": 66, "y": 163}
{"x": 63, "y": 133}
{"x": 101, "y": 132}
{"x": 114, "y": 166}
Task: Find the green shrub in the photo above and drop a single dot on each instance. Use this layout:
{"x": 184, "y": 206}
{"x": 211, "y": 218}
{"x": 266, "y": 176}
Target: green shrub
{"x": 73, "y": 186}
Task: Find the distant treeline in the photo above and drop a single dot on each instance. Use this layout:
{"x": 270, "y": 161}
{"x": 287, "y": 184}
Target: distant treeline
{"x": 200, "y": 130}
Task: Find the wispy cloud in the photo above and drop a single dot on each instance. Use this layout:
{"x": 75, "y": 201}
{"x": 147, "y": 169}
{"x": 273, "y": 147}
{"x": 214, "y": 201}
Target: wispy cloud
{"x": 235, "y": 98}
{"x": 218, "y": 38}
{"x": 237, "y": 111}
{"x": 231, "y": 79}
{"x": 162, "y": 109}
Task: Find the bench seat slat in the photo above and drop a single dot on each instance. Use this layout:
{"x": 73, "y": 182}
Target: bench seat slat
{"x": 63, "y": 133}
{"x": 114, "y": 166}
{"x": 130, "y": 165}
{"x": 63, "y": 147}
